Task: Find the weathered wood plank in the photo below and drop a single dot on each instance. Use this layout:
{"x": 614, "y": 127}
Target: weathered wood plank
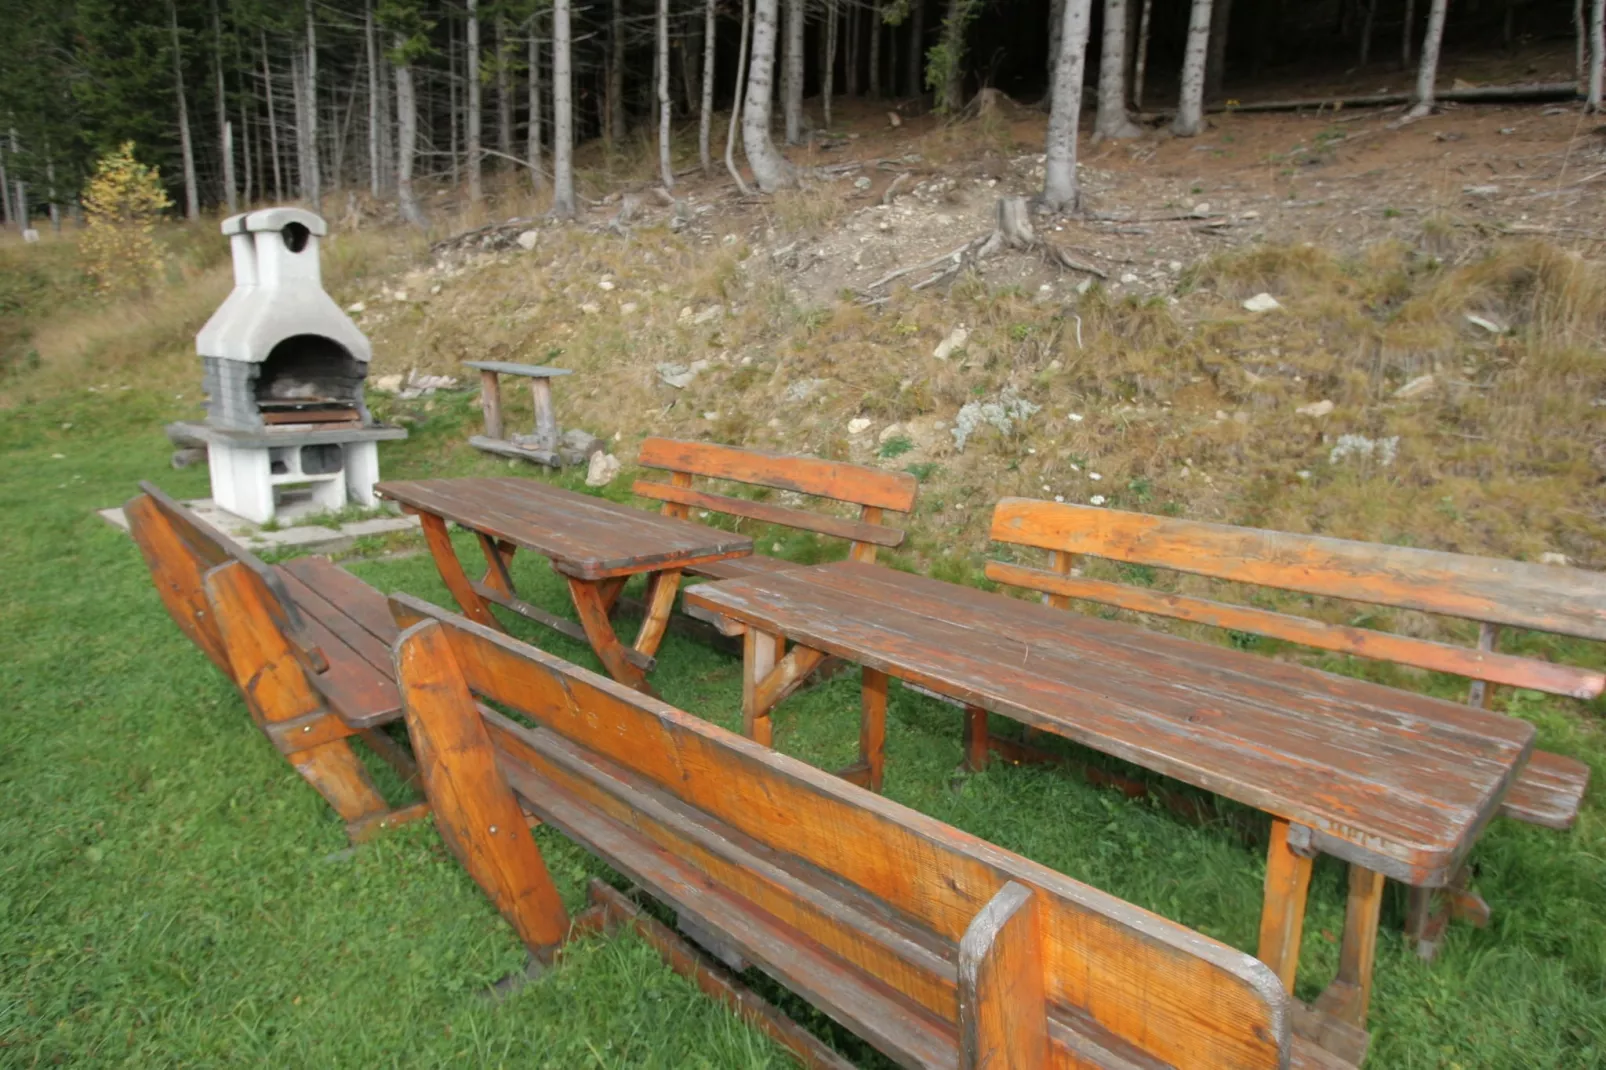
{"x": 1198, "y": 997}
{"x": 806, "y": 475}
{"x": 1565, "y": 600}
{"x": 1361, "y": 642}
{"x": 1003, "y": 1016}
{"x": 1549, "y": 791}
{"x": 768, "y": 513}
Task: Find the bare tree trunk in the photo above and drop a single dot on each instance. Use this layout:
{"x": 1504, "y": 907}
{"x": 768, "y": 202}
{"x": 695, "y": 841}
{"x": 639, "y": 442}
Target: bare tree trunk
{"x": 471, "y": 46}
{"x": 1581, "y": 58}
{"x": 192, "y": 201}
{"x": 406, "y": 143}
{"x": 312, "y": 181}
{"x": 613, "y": 126}
{"x": 953, "y": 39}
{"x": 1428, "y": 71}
{"x": 230, "y": 196}
{"x": 248, "y": 191}
{"x": 1112, "y": 119}
{"x": 736, "y": 100}
{"x": 504, "y": 90}
{"x": 914, "y": 70}
{"x": 690, "y": 79}
{"x": 705, "y": 112}
{"x": 1366, "y": 31}
{"x": 50, "y": 191}
{"x": 375, "y": 115}
{"x": 533, "y": 134}
{"x": 852, "y": 37}
{"x": 1408, "y": 34}
{"x": 666, "y": 168}
{"x": 876, "y": 26}
{"x": 21, "y": 191}
{"x": 453, "y": 112}
{"x": 1056, "y": 26}
{"x": 273, "y": 123}
{"x": 1060, "y": 190}
{"x": 1216, "y": 57}
{"x": 7, "y": 215}
{"x": 792, "y": 74}
{"x": 562, "y": 115}
{"x": 1190, "y": 108}
{"x": 1597, "y": 33}
{"x": 770, "y": 169}
{"x": 828, "y": 61}
{"x": 1140, "y": 62}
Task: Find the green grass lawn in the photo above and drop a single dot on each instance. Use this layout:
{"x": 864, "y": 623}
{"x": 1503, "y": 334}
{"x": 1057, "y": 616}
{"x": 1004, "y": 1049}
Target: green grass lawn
{"x": 172, "y": 893}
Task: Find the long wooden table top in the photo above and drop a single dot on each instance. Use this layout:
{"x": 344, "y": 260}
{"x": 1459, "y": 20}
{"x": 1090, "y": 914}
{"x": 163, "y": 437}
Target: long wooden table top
{"x": 1398, "y": 782}
{"x": 585, "y": 537}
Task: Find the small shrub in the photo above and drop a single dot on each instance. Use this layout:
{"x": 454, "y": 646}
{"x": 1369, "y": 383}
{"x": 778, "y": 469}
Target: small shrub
{"x": 121, "y": 206}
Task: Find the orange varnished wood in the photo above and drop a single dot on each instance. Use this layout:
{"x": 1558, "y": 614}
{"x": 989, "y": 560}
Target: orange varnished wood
{"x": 1397, "y": 781}
{"x": 1361, "y": 642}
{"x": 1549, "y": 792}
{"x": 593, "y": 609}
{"x": 1282, "y": 918}
{"x": 1350, "y": 995}
{"x": 661, "y": 591}
{"x": 767, "y": 513}
{"x": 873, "y": 490}
{"x": 475, "y": 811}
{"x": 277, "y": 690}
{"x": 1003, "y": 1017}
{"x": 738, "y": 836}
{"x": 451, "y": 570}
{"x": 873, "y": 726}
{"x": 806, "y": 475}
{"x": 307, "y": 643}
{"x": 1544, "y": 597}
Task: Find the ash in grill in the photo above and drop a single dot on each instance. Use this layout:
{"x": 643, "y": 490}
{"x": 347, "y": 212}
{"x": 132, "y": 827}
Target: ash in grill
{"x": 283, "y": 370}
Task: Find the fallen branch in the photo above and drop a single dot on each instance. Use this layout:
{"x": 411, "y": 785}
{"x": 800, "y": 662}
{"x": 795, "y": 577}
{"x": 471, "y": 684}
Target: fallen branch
{"x": 892, "y": 187}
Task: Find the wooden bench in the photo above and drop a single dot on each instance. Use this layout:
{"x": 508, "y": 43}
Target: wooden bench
{"x": 1495, "y": 593}
{"x": 938, "y": 949}
{"x": 307, "y": 643}
{"x": 875, "y": 493}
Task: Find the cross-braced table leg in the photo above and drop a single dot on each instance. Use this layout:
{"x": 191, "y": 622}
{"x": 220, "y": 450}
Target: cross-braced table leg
{"x": 595, "y": 599}
{"x": 1350, "y": 994}
{"x": 1282, "y": 918}
{"x": 451, "y": 570}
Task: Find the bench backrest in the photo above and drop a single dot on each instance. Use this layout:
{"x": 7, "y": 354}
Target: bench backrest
{"x": 180, "y": 548}
{"x": 984, "y": 954}
{"x": 874, "y": 491}
{"x": 1491, "y": 591}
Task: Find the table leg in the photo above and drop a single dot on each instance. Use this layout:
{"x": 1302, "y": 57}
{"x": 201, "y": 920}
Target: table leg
{"x": 660, "y": 601}
{"x": 976, "y": 741}
{"x": 873, "y": 724}
{"x": 760, "y": 651}
{"x": 1282, "y": 918}
{"x": 611, "y": 590}
{"x": 451, "y": 570}
{"x": 591, "y": 604}
{"x": 498, "y": 556}
{"x": 1350, "y": 994}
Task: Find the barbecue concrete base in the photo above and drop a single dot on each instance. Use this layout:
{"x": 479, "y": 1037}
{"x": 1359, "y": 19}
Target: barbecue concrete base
{"x": 292, "y": 509}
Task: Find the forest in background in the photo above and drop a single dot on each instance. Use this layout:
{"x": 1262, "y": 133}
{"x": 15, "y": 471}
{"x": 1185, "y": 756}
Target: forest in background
{"x": 247, "y": 101}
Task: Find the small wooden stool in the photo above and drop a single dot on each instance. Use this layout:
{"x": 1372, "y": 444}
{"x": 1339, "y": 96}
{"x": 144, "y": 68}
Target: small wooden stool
{"x": 542, "y": 446}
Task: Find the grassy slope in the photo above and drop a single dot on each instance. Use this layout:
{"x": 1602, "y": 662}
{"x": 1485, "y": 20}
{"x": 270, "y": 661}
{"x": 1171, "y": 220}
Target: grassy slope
{"x": 172, "y": 892}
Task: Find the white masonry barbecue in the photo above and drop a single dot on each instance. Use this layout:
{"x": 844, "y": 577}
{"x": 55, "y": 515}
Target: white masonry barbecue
{"x": 284, "y": 370}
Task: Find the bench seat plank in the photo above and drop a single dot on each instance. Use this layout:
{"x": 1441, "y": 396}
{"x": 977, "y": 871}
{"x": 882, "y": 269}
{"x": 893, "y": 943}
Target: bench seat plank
{"x": 743, "y": 567}
{"x": 1397, "y": 782}
{"x": 359, "y": 684}
{"x": 1549, "y": 791}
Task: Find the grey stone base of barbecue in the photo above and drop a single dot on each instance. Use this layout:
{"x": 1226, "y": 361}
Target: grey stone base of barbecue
{"x": 188, "y": 434}
{"x": 309, "y": 537}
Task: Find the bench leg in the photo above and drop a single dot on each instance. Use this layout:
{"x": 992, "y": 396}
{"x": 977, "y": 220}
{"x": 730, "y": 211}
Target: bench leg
{"x": 277, "y": 690}
{"x": 977, "y": 743}
{"x": 1003, "y": 1006}
{"x": 873, "y": 725}
{"x": 474, "y": 607}
{"x": 593, "y": 610}
{"x": 1282, "y": 918}
{"x": 760, "y": 651}
{"x": 475, "y": 810}
{"x": 1350, "y": 995}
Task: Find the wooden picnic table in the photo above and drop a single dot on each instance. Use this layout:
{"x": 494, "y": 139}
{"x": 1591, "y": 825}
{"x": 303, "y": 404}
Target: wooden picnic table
{"x": 1398, "y": 784}
{"x": 596, "y": 545}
